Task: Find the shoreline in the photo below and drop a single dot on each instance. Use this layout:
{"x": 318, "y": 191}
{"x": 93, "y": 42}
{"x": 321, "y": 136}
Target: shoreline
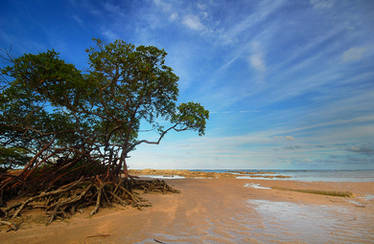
{"x": 222, "y": 210}
{"x": 310, "y": 176}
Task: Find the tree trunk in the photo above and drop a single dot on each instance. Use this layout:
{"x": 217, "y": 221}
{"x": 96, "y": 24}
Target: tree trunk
{"x": 125, "y": 170}
{"x": 123, "y": 164}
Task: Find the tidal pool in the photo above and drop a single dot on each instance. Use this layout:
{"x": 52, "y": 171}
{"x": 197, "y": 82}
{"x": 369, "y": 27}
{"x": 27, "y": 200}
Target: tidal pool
{"x": 290, "y": 222}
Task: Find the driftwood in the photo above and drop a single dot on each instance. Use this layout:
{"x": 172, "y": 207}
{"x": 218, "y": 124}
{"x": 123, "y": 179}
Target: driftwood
{"x": 98, "y": 235}
{"x": 158, "y": 241}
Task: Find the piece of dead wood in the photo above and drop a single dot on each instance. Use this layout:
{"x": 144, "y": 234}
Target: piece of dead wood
{"x": 98, "y": 199}
{"x": 159, "y": 241}
{"x": 98, "y": 235}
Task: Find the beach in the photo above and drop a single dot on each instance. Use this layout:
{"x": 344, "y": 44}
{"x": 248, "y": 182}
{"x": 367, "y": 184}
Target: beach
{"x": 222, "y": 210}
{"x": 179, "y": 121}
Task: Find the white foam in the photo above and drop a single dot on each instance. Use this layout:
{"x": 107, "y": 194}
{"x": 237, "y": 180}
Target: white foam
{"x": 256, "y": 186}
{"x": 357, "y": 204}
{"x": 368, "y": 197}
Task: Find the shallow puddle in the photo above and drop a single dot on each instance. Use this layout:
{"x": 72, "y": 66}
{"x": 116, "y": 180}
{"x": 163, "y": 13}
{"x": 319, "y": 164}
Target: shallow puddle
{"x": 266, "y": 221}
{"x": 256, "y": 186}
{"x": 311, "y": 223}
{"x": 368, "y": 197}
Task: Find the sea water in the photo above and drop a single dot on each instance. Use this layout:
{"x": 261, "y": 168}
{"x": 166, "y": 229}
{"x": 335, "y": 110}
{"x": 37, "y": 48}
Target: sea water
{"x": 305, "y": 175}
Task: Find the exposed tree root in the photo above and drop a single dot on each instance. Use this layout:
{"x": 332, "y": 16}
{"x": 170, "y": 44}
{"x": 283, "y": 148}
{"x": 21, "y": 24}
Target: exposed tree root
{"x": 9, "y": 224}
{"x": 66, "y": 200}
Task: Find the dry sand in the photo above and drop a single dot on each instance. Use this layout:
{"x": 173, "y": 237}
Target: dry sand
{"x": 222, "y": 211}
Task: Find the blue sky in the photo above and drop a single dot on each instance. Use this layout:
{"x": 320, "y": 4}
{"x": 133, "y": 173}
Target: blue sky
{"x": 289, "y": 84}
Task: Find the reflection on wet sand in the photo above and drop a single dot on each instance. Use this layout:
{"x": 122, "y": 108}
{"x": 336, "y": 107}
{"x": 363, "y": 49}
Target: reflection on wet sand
{"x": 274, "y": 222}
{"x": 257, "y": 186}
{"x": 311, "y": 223}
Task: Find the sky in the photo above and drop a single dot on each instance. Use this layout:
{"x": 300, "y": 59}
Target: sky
{"x": 289, "y": 84}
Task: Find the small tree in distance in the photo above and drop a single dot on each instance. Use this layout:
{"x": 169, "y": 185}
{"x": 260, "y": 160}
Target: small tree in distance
{"x": 64, "y": 125}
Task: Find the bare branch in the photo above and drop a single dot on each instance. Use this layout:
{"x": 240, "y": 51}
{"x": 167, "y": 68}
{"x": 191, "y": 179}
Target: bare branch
{"x": 159, "y": 139}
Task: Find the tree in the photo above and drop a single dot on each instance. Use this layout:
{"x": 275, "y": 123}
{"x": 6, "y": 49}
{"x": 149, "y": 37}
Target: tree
{"x": 62, "y": 124}
{"x": 134, "y": 85}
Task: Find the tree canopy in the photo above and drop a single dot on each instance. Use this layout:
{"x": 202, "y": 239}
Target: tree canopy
{"x": 52, "y": 113}
{"x": 70, "y": 131}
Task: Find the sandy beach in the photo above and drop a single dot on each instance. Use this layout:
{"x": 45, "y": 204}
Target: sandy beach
{"x": 186, "y": 121}
{"x": 224, "y": 210}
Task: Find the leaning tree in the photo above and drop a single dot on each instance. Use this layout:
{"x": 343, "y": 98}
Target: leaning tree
{"x": 69, "y": 132}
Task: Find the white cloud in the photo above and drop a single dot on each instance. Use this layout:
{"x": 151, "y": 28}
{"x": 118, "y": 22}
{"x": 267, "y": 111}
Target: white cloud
{"x": 256, "y": 59}
{"x": 282, "y": 138}
{"x": 314, "y": 66}
{"x": 201, "y": 6}
{"x": 193, "y": 22}
{"x": 289, "y": 138}
{"x": 77, "y": 19}
{"x": 322, "y": 4}
{"x": 114, "y": 9}
{"x": 363, "y": 149}
{"x": 258, "y": 149}
{"x": 110, "y": 35}
{"x": 301, "y": 51}
{"x": 260, "y": 13}
{"x": 173, "y": 16}
{"x": 257, "y": 62}
{"x": 354, "y": 54}
{"x": 335, "y": 123}
{"x": 163, "y": 5}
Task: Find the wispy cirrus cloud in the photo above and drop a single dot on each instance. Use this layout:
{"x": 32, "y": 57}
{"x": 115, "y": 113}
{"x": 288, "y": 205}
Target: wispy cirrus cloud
{"x": 78, "y": 19}
{"x": 165, "y": 6}
{"x": 362, "y": 149}
{"x": 256, "y": 58}
{"x": 354, "y": 54}
{"x": 280, "y": 77}
{"x": 260, "y": 13}
{"x": 114, "y": 9}
{"x": 174, "y": 16}
{"x": 322, "y": 4}
{"x": 193, "y": 22}
{"x": 110, "y": 35}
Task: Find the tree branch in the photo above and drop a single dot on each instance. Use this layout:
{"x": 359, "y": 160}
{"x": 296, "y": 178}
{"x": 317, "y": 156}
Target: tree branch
{"x": 159, "y": 139}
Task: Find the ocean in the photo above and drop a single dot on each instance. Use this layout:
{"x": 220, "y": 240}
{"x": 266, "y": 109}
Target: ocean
{"x": 305, "y": 175}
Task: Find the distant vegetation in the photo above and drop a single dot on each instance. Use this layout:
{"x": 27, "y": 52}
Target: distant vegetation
{"x": 71, "y": 131}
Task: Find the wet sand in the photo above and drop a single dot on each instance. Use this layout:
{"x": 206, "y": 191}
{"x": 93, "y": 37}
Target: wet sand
{"x": 224, "y": 210}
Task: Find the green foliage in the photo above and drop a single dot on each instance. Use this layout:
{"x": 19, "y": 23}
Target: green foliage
{"x": 54, "y": 111}
{"x": 192, "y": 116}
{"x": 12, "y": 157}
{"x": 132, "y": 84}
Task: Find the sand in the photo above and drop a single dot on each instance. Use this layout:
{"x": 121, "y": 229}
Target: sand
{"x": 223, "y": 210}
